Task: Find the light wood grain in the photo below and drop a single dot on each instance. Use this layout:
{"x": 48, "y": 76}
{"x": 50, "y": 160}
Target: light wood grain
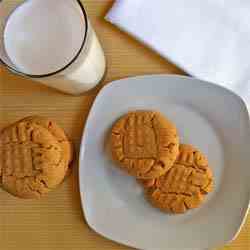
{"x": 56, "y": 222}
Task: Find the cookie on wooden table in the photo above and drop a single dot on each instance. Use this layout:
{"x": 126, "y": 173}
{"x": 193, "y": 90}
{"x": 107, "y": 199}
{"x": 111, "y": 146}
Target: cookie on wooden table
{"x": 58, "y": 133}
{"x": 144, "y": 143}
{"x": 31, "y": 160}
{"x": 184, "y": 186}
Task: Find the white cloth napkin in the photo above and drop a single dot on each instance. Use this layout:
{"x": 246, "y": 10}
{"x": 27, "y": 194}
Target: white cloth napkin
{"x": 208, "y": 39}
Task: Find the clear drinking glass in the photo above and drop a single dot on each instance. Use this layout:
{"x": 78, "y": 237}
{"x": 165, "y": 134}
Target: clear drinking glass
{"x": 81, "y": 72}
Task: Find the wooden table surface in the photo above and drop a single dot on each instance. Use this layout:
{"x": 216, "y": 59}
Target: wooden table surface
{"x": 56, "y": 222}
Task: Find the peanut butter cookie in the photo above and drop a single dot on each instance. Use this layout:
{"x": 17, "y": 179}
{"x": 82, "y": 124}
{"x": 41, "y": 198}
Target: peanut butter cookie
{"x": 184, "y": 186}
{"x": 59, "y": 134}
{"x": 144, "y": 143}
{"x": 31, "y": 160}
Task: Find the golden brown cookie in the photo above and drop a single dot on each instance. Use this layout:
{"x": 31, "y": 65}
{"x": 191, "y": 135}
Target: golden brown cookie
{"x": 144, "y": 143}
{"x": 58, "y": 133}
{"x": 184, "y": 186}
{"x": 31, "y": 160}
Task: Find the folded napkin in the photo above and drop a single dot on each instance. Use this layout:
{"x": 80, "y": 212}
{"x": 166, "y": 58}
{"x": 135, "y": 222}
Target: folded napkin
{"x": 208, "y": 39}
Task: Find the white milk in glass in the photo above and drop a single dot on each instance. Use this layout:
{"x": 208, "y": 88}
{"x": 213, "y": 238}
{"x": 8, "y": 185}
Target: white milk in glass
{"x": 43, "y": 36}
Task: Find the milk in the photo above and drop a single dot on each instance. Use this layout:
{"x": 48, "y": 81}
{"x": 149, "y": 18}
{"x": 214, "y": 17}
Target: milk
{"x": 43, "y": 36}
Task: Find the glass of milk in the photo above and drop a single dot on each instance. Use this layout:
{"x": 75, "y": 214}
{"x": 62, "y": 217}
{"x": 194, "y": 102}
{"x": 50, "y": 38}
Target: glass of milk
{"x": 52, "y": 42}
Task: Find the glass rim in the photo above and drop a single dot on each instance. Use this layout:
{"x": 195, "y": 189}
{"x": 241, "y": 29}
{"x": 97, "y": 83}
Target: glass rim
{"x": 64, "y": 67}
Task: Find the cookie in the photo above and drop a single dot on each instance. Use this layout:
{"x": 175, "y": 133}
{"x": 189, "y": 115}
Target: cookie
{"x": 58, "y": 133}
{"x": 144, "y": 144}
{"x": 184, "y": 186}
{"x": 31, "y": 160}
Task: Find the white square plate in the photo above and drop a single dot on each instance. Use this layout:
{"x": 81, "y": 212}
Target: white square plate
{"x": 208, "y": 116}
